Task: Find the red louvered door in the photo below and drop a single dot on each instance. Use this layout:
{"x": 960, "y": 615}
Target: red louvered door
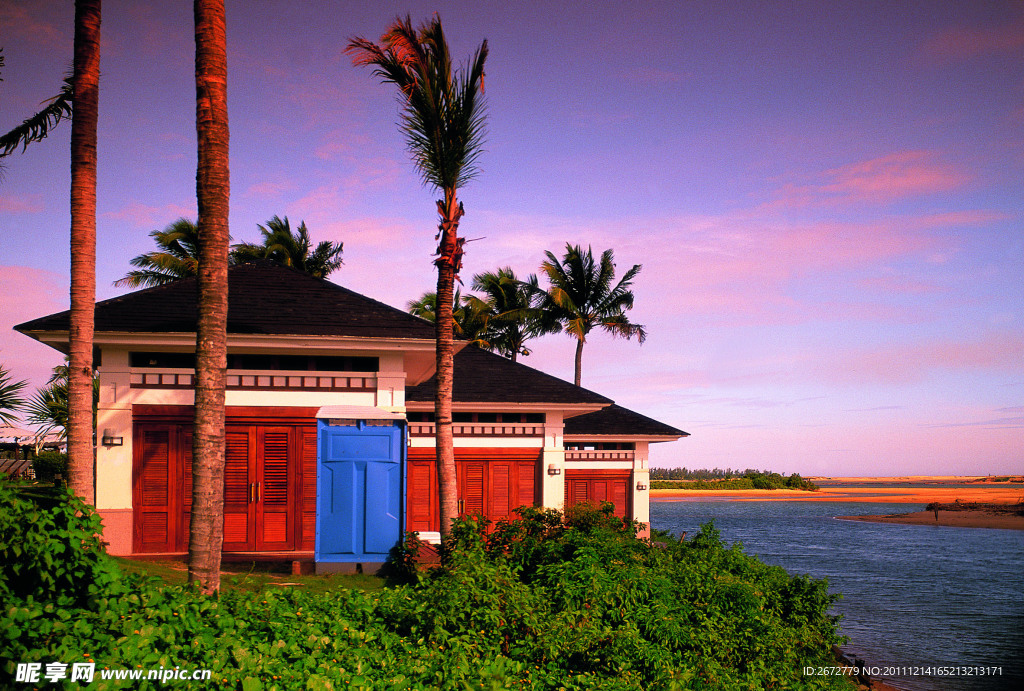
{"x": 152, "y": 489}
{"x": 239, "y": 489}
{"x": 471, "y": 488}
{"x": 274, "y": 504}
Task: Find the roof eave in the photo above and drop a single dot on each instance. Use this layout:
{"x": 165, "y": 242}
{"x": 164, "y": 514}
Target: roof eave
{"x": 56, "y": 339}
{"x": 654, "y": 438}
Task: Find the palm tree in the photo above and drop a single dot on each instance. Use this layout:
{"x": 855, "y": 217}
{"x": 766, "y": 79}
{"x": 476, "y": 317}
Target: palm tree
{"x": 177, "y": 253}
{"x": 36, "y": 128}
{"x": 206, "y": 529}
{"x": 85, "y": 87}
{"x": 283, "y": 246}
{"x": 581, "y": 296}
{"x": 48, "y": 408}
{"x": 469, "y": 321}
{"x": 511, "y": 310}
{"x": 176, "y": 256}
{"x": 442, "y": 118}
{"x": 11, "y": 400}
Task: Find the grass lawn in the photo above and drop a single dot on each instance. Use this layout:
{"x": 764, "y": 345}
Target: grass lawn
{"x": 253, "y": 577}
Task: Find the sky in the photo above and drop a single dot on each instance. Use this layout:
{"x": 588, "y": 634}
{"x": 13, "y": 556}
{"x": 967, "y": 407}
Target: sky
{"x": 826, "y": 198}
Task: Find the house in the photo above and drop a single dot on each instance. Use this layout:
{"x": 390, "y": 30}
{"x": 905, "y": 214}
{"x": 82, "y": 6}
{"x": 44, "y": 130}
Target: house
{"x": 329, "y": 433}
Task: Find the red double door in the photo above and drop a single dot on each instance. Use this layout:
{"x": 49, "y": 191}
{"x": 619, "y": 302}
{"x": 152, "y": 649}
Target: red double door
{"x": 491, "y": 483}
{"x": 263, "y": 481}
{"x": 597, "y": 486}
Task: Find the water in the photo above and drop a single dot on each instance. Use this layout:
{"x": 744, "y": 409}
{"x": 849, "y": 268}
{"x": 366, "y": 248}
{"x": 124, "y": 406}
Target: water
{"x": 912, "y": 595}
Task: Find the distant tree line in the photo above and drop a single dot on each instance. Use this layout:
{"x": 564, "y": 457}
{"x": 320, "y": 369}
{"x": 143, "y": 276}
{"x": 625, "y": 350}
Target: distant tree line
{"x": 668, "y": 478}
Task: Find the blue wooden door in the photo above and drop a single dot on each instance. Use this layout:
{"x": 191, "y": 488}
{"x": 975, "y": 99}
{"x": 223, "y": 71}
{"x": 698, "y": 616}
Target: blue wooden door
{"x": 360, "y": 489}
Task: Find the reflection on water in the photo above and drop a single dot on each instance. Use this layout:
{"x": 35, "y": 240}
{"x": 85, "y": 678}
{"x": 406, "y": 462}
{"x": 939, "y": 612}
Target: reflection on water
{"x": 912, "y": 595}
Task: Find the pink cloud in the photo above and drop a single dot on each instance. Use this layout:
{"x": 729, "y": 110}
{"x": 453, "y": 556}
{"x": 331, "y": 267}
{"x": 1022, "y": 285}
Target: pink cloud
{"x": 28, "y": 293}
{"x": 36, "y": 29}
{"x": 908, "y": 363}
{"x": 27, "y": 204}
{"x": 150, "y": 217}
{"x": 879, "y": 180}
{"x": 965, "y": 42}
{"x": 269, "y": 188}
{"x": 900, "y": 284}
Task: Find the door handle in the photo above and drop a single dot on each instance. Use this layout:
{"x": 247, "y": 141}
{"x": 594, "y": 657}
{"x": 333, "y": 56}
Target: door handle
{"x": 252, "y": 492}
{"x": 258, "y": 492}
{"x": 462, "y": 506}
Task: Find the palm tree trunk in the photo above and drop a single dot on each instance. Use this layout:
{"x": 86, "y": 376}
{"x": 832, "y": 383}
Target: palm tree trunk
{"x": 579, "y": 360}
{"x": 85, "y": 85}
{"x": 448, "y": 263}
{"x": 206, "y": 531}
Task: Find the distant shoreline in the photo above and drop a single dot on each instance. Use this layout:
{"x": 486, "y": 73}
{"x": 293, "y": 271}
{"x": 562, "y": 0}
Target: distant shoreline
{"x": 998, "y": 516}
{"x": 869, "y": 489}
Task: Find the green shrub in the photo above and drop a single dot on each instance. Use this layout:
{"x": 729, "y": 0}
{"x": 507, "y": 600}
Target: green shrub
{"x": 51, "y": 550}
{"x": 48, "y": 464}
{"x": 535, "y": 603}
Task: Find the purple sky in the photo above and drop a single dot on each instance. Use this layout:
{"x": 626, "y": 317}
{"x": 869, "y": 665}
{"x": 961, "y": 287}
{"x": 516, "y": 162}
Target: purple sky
{"x": 826, "y": 198}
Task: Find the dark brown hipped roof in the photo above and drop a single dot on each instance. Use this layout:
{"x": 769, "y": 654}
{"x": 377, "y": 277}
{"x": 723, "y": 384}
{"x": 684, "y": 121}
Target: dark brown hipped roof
{"x": 619, "y": 421}
{"x": 483, "y": 377}
{"x": 263, "y": 298}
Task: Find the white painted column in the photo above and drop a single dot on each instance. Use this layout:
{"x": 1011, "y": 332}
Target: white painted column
{"x": 552, "y": 486}
{"x": 114, "y": 463}
{"x": 642, "y": 498}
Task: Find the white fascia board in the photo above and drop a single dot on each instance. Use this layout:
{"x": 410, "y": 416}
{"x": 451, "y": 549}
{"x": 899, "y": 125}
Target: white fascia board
{"x": 256, "y": 342}
{"x": 654, "y": 438}
{"x": 577, "y": 408}
{"x": 357, "y": 412}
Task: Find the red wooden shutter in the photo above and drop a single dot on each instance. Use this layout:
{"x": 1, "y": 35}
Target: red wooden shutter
{"x": 238, "y": 511}
{"x": 308, "y": 493}
{"x": 501, "y": 491}
{"x": 472, "y": 488}
{"x": 421, "y": 509}
{"x": 185, "y": 455}
{"x": 153, "y": 479}
{"x": 527, "y": 482}
{"x": 274, "y": 507}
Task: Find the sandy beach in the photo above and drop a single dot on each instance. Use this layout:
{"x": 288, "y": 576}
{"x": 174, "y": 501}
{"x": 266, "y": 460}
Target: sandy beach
{"x": 957, "y": 519}
{"x": 881, "y": 490}
{"x": 873, "y": 489}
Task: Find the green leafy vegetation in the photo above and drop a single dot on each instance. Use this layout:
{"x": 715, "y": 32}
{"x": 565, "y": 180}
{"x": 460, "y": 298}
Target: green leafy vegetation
{"x": 536, "y": 603}
{"x": 47, "y": 465}
{"x": 751, "y": 479}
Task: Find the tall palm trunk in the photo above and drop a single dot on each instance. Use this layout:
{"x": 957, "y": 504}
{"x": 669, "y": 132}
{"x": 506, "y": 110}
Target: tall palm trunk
{"x": 85, "y": 113}
{"x": 579, "y": 361}
{"x": 448, "y": 263}
{"x": 206, "y": 531}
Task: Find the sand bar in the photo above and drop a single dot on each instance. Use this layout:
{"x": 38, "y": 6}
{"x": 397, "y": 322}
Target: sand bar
{"x": 877, "y": 491}
{"x": 956, "y": 519}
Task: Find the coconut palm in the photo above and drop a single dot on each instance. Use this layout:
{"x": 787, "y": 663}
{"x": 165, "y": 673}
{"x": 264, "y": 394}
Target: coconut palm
{"x": 511, "y": 310}
{"x": 177, "y": 253}
{"x": 283, "y": 246}
{"x": 469, "y": 321}
{"x": 79, "y": 100}
{"x": 442, "y": 118}
{"x": 11, "y": 400}
{"x": 206, "y": 529}
{"x": 176, "y": 256}
{"x": 581, "y": 296}
{"x": 85, "y": 87}
{"x": 48, "y": 408}
{"x": 35, "y": 128}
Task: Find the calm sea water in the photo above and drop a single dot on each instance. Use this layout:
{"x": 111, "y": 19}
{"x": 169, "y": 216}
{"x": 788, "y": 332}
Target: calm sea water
{"x": 912, "y": 595}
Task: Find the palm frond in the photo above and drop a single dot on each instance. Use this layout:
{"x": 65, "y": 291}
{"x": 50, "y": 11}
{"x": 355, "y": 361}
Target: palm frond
{"x": 443, "y": 113}
{"x": 11, "y": 400}
{"x": 37, "y": 127}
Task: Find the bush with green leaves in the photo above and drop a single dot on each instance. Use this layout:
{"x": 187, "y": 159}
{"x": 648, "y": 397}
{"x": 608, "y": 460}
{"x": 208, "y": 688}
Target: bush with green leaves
{"x": 47, "y": 465}
{"x": 534, "y": 603}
